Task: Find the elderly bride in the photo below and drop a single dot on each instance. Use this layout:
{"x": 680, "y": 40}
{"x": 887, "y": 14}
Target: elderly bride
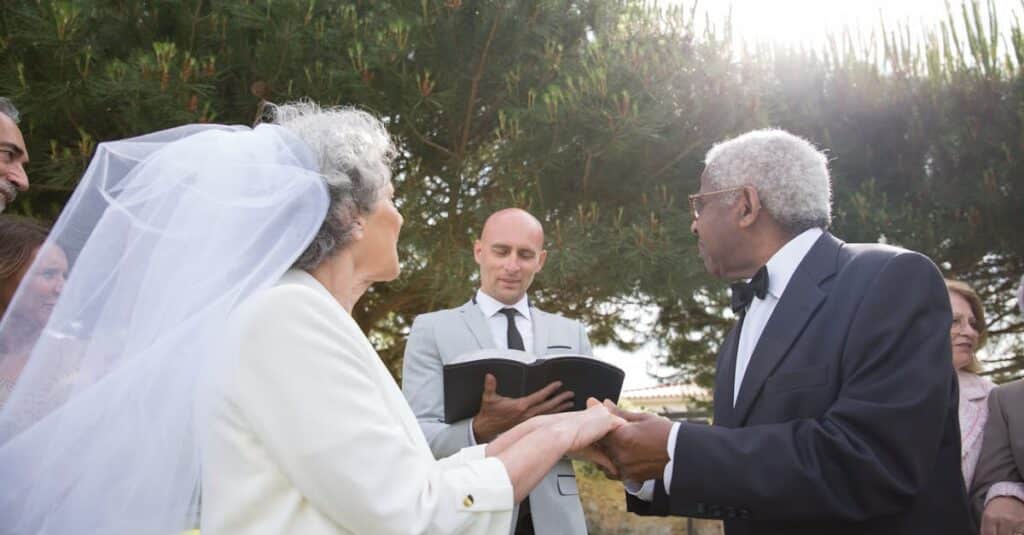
{"x": 215, "y": 274}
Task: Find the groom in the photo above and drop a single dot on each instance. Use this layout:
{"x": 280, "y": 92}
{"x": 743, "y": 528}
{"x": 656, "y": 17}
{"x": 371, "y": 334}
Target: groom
{"x": 835, "y": 407}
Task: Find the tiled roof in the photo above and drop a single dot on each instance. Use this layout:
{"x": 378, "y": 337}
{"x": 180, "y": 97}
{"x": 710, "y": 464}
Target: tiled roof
{"x": 669, "y": 391}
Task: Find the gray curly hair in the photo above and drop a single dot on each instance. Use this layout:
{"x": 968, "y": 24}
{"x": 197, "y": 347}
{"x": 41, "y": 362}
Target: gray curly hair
{"x": 354, "y": 152}
{"x": 790, "y": 175}
{"x": 7, "y": 108}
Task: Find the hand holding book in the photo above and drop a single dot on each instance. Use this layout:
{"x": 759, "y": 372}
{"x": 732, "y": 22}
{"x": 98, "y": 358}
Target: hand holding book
{"x": 498, "y": 413}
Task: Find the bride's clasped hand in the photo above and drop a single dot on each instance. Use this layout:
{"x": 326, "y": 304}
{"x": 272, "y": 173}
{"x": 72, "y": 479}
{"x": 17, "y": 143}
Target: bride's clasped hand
{"x": 573, "y": 433}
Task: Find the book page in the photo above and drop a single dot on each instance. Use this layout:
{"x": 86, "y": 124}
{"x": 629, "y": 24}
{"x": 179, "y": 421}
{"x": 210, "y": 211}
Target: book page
{"x": 494, "y": 353}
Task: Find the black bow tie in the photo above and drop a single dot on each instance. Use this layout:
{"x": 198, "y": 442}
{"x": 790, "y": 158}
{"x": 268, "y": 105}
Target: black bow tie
{"x": 744, "y": 292}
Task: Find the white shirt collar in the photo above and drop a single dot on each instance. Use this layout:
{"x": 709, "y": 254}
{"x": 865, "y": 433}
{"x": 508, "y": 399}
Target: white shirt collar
{"x": 490, "y": 306}
{"x": 784, "y": 262}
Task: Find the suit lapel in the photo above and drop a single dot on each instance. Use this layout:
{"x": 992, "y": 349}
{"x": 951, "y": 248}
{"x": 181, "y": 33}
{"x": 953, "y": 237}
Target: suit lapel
{"x": 725, "y": 377}
{"x": 540, "y": 332}
{"x": 799, "y": 301}
{"x": 477, "y": 324}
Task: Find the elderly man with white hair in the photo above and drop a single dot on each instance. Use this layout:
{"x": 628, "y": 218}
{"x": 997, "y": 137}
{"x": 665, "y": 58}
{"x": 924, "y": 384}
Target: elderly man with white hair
{"x": 13, "y": 155}
{"x": 835, "y": 407}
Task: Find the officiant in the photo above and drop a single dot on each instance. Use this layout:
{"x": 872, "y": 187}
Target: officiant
{"x": 510, "y": 252}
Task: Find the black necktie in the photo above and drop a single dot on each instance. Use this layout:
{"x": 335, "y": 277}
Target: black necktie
{"x": 744, "y": 292}
{"x": 515, "y": 340}
{"x": 524, "y": 524}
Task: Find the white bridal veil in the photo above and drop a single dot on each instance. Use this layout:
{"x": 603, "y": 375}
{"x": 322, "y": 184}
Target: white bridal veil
{"x": 165, "y": 235}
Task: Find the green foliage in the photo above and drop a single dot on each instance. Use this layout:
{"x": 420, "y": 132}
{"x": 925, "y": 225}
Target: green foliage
{"x": 594, "y": 115}
{"x": 927, "y": 147}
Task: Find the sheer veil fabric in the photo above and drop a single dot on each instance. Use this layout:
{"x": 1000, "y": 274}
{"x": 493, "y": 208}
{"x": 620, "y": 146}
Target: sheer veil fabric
{"x": 165, "y": 235}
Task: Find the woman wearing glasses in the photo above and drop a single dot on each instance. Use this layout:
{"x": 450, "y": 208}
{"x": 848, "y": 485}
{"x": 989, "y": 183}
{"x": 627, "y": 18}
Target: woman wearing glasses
{"x": 967, "y": 335}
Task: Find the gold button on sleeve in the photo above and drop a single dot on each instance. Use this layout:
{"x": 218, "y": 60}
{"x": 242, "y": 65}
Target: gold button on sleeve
{"x": 468, "y": 500}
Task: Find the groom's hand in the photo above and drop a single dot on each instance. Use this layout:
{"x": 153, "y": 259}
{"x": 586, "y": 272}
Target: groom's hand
{"x": 640, "y": 447}
{"x": 499, "y": 413}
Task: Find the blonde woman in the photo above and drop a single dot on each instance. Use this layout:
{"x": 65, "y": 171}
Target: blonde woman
{"x": 967, "y": 334}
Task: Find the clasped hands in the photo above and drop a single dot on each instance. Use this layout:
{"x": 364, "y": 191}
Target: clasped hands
{"x": 623, "y": 444}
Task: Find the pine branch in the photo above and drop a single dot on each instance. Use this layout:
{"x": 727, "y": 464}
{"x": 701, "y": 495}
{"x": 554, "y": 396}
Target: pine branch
{"x": 475, "y": 84}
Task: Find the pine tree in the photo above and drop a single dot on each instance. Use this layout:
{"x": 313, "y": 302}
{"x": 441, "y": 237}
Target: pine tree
{"x": 592, "y": 114}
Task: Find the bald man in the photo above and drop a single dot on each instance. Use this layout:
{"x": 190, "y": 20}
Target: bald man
{"x": 510, "y": 252}
{"x": 13, "y": 155}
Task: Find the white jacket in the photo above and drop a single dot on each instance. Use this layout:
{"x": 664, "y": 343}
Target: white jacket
{"x": 307, "y": 433}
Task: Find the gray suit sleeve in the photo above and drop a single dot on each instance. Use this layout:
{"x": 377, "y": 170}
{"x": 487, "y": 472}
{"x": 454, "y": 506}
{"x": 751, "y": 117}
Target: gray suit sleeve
{"x": 996, "y": 462}
{"x": 585, "y": 348}
{"x": 423, "y": 386}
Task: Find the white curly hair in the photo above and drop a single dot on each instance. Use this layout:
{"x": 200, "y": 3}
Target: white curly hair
{"x": 791, "y": 175}
{"x": 354, "y": 152}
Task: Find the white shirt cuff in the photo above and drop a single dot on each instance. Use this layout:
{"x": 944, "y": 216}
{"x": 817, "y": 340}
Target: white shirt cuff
{"x": 645, "y": 491}
{"x": 1005, "y": 488}
{"x": 667, "y": 476}
{"x": 474, "y": 453}
{"x": 472, "y": 439}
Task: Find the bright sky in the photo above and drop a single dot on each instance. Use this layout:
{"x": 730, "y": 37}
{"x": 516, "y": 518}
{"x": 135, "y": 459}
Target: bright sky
{"x": 636, "y": 364}
{"x": 809, "y": 21}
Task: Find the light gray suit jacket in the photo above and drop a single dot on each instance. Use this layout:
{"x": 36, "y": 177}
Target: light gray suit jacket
{"x": 439, "y": 337}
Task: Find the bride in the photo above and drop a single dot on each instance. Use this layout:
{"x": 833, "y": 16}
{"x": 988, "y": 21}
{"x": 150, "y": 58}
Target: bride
{"x": 214, "y": 272}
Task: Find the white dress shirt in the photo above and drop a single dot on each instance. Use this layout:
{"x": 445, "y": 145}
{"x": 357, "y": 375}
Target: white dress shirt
{"x": 499, "y": 324}
{"x": 781, "y": 267}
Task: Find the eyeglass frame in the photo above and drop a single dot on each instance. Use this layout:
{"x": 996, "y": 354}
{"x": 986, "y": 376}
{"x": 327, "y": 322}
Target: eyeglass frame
{"x": 697, "y": 196}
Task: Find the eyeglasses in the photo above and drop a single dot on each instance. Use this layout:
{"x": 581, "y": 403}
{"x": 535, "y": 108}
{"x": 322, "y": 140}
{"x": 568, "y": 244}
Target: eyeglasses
{"x": 961, "y": 323}
{"x": 697, "y": 199}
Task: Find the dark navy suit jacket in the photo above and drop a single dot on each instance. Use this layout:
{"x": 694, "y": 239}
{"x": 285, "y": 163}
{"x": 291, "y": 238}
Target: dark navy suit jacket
{"x": 846, "y": 420}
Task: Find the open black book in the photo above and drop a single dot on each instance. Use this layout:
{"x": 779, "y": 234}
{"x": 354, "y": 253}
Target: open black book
{"x": 585, "y": 376}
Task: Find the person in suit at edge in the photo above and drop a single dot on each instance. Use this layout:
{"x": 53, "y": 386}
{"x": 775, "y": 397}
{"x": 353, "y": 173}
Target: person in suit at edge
{"x": 510, "y": 252}
{"x": 997, "y": 494}
{"x": 835, "y": 405}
